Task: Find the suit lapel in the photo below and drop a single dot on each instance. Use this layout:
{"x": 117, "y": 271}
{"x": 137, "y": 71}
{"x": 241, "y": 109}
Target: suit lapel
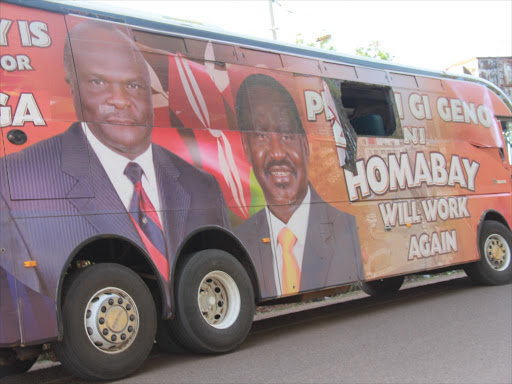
{"x": 174, "y": 198}
{"x": 319, "y": 246}
{"x": 103, "y": 209}
{"x": 266, "y": 255}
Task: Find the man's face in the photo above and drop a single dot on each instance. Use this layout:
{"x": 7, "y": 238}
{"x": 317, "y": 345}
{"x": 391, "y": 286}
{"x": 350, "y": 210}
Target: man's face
{"x": 115, "y": 93}
{"x": 278, "y": 154}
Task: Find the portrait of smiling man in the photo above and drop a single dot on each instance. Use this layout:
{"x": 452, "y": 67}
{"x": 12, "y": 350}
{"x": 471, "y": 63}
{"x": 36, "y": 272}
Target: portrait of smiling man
{"x": 103, "y": 175}
{"x": 312, "y": 244}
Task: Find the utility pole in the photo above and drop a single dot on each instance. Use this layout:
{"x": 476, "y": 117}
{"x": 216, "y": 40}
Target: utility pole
{"x": 272, "y": 21}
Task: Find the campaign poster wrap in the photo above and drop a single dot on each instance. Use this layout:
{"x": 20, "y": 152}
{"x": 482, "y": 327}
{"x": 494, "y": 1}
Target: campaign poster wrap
{"x": 112, "y": 130}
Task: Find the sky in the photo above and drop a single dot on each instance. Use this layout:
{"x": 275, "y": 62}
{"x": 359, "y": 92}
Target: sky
{"x": 432, "y": 34}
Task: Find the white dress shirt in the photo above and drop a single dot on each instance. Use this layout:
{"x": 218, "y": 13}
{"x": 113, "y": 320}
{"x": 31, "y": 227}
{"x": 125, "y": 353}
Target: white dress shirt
{"x": 298, "y": 224}
{"x": 115, "y": 164}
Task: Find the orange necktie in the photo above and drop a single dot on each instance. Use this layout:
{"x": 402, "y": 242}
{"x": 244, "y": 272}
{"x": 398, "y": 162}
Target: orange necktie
{"x": 291, "y": 270}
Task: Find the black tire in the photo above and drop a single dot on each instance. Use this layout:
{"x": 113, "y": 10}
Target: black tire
{"x": 382, "y": 287}
{"x": 77, "y": 352}
{"x": 166, "y": 339}
{"x": 190, "y": 326}
{"x": 17, "y": 367}
{"x": 489, "y": 271}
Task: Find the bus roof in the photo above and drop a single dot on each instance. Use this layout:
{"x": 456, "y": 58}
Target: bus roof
{"x": 210, "y": 32}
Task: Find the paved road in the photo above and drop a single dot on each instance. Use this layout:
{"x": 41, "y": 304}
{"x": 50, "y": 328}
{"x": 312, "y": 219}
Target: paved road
{"x": 447, "y": 332}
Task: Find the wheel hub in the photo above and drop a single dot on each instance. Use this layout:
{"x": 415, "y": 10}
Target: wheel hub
{"x": 219, "y": 299}
{"x": 111, "y": 320}
{"x": 497, "y": 252}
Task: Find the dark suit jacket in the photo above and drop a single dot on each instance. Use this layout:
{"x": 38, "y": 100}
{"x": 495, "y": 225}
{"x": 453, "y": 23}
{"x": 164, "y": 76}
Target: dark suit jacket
{"x": 57, "y": 196}
{"x": 332, "y": 254}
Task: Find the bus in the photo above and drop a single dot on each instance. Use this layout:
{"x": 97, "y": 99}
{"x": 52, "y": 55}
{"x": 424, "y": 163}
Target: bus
{"x": 158, "y": 180}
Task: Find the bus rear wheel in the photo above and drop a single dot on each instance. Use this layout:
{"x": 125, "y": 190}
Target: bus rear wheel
{"x": 382, "y": 287}
{"x": 495, "y": 264}
{"x": 214, "y": 303}
{"x": 109, "y": 321}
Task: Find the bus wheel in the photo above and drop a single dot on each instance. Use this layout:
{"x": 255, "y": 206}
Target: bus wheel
{"x": 166, "y": 339}
{"x": 494, "y": 266}
{"x": 382, "y": 287}
{"x": 109, "y": 321}
{"x": 214, "y": 303}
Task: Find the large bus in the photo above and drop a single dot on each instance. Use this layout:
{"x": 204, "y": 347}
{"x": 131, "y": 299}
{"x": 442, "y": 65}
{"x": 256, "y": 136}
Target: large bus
{"x": 159, "y": 180}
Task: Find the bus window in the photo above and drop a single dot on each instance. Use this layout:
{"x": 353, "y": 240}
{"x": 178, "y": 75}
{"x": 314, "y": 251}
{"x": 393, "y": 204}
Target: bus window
{"x": 369, "y": 109}
{"x": 506, "y": 125}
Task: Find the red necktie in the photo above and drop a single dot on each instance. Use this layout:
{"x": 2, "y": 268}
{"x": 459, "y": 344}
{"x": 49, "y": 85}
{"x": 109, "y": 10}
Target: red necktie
{"x": 146, "y": 220}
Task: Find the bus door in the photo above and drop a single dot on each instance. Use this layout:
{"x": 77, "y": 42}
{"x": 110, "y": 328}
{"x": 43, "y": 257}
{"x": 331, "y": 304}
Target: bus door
{"x": 506, "y": 126}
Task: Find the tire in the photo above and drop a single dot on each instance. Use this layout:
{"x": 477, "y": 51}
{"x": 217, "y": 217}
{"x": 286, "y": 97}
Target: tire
{"x": 216, "y": 281}
{"x": 495, "y": 246}
{"x": 382, "y": 287}
{"x": 166, "y": 339}
{"x": 129, "y": 310}
{"x": 17, "y": 367}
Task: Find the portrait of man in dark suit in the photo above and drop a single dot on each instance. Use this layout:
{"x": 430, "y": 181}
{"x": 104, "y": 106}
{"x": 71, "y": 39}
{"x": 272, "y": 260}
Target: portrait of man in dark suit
{"x": 312, "y": 244}
{"x": 103, "y": 175}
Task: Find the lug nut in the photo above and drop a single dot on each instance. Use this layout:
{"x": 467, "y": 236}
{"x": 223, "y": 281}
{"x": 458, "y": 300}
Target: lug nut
{"x": 120, "y": 301}
{"x": 111, "y": 302}
{"x": 102, "y": 320}
{"x": 105, "y": 331}
{"x": 130, "y": 329}
{"x": 103, "y": 309}
{"x": 128, "y": 307}
{"x": 132, "y": 317}
{"x": 123, "y": 337}
{"x": 113, "y": 338}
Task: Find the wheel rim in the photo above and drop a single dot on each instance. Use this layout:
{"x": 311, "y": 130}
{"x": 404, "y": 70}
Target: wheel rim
{"x": 497, "y": 252}
{"x": 218, "y": 298}
{"x": 111, "y": 320}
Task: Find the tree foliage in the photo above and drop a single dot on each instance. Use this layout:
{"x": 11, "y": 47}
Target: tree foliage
{"x": 321, "y": 42}
{"x": 374, "y": 51}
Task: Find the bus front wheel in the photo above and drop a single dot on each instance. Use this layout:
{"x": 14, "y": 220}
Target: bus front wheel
{"x": 214, "y": 303}
{"x": 495, "y": 246}
{"x": 109, "y": 321}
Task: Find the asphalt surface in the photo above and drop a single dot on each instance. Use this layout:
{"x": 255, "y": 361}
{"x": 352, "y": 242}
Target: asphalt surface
{"x": 445, "y": 332}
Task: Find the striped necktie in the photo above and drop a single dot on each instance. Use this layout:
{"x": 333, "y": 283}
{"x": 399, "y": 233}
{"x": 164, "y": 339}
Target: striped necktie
{"x": 146, "y": 220}
{"x": 291, "y": 272}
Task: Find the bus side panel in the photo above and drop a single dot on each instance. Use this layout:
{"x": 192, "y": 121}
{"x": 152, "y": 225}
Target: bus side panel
{"x": 9, "y": 320}
{"x": 36, "y": 100}
{"x": 9, "y": 324}
{"x": 451, "y": 151}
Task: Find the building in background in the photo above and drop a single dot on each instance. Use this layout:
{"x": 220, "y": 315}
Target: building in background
{"x": 498, "y": 70}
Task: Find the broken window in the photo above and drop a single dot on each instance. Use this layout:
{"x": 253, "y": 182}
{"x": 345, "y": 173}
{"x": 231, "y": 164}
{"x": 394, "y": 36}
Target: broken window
{"x": 370, "y": 109}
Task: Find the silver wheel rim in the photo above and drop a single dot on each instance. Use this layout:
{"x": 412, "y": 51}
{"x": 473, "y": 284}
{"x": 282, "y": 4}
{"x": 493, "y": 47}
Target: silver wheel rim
{"x": 497, "y": 252}
{"x": 111, "y": 320}
{"x": 218, "y": 299}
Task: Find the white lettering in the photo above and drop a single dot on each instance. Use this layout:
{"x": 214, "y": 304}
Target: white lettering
{"x": 484, "y": 115}
{"x": 27, "y": 111}
{"x": 24, "y": 33}
{"x": 41, "y": 38}
{"x": 5, "y": 25}
{"x": 357, "y": 181}
{"x": 5, "y": 112}
{"x": 314, "y": 104}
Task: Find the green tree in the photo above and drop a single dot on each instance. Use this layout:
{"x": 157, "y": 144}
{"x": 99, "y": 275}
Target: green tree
{"x": 374, "y": 51}
{"x": 320, "y": 42}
